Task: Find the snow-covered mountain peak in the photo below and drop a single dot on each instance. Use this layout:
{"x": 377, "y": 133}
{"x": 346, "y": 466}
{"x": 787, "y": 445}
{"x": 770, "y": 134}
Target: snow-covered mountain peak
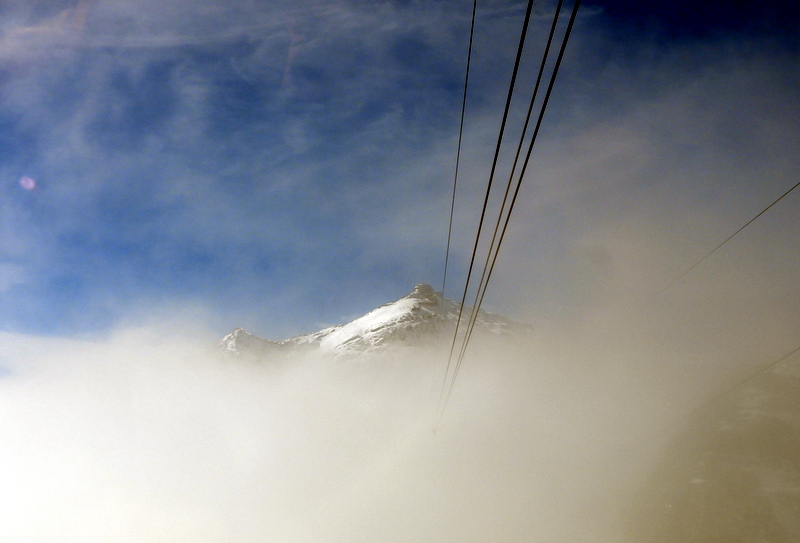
{"x": 241, "y": 341}
{"x": 236, "y": 338}
{"x": 425, "y": 294}
{"x": 421, "y": 317}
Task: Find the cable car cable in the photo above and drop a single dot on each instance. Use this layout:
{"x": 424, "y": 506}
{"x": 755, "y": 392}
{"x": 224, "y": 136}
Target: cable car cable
{"x": 458, "y": 151}
{"x": 570, "y": 25}
{"x": 488, "y": 189}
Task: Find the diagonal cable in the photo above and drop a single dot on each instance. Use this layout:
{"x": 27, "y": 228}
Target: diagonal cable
{"x": 570, "y": 25}
{"x": 488, "y": 189}
{"x": 709, "y": 403}
{"x": 481, "y": 284}
{"x": 458, "y": 150}
{"x": 714, "y": 250}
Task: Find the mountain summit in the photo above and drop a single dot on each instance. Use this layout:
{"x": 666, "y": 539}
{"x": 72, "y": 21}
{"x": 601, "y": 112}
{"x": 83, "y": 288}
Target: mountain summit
{"x": 423, "y": 316}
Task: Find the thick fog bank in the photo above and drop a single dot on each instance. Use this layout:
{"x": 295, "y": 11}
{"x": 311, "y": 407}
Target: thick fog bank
{"x": 152, "y": 440}
{"x": 733, "y": 471}
{"x": 149, "y": 440}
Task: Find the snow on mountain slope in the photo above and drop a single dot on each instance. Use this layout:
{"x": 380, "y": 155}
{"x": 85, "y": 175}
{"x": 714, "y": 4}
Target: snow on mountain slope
{"x": 419, "y": 317}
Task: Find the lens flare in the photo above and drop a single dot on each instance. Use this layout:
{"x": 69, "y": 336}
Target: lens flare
{"x": 27, "y": 183}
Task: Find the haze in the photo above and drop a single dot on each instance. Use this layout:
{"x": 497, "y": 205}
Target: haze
{"x": 146, "y": 439}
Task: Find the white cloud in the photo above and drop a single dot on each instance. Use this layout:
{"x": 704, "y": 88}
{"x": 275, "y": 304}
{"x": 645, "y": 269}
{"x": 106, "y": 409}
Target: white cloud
{"x": 145, "y": 438}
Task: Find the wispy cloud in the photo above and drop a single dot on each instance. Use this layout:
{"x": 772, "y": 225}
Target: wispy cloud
{"x": 137, "y": 144}
{"x": 173, "y": 157}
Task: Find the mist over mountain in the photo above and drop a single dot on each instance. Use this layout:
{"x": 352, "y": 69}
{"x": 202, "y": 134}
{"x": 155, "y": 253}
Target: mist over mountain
{"x": 728, "y": 471}
{"x": 732, "y": 471}
{"x": 150, "y": 437}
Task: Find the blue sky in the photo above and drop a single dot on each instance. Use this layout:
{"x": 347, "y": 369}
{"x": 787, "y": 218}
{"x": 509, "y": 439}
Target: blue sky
{"x": 287, "y": 165}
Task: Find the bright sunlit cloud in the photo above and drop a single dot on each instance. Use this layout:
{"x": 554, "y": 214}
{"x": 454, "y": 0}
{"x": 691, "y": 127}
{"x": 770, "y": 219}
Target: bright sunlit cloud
{"x": 146, "y": 437}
